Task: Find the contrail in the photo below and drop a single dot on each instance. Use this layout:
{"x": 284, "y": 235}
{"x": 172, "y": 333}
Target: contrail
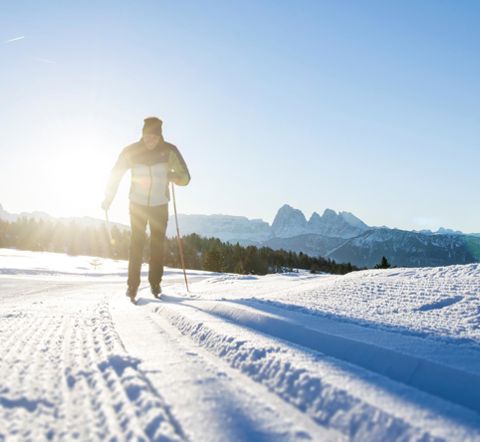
{"x": 15, "y": 39}
{"x": 43, "y": 60}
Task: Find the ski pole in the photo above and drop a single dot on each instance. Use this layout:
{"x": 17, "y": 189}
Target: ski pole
{"x": 111, "y": 241}
{"x": 179, "y": 238}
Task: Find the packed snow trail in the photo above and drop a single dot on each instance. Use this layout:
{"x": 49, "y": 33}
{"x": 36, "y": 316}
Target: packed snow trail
{"x": 65, "y": 373}
{"x": 358, "y": 403}
{"x": 239, "y": 358}
{"x": 418, "y": 363}
{"x": 214, "y": 402}
{"x": 68, "y": 374}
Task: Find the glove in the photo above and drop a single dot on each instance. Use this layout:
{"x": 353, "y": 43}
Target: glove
{"x": 106, "y": 203}
{"x": 173, "y": 176}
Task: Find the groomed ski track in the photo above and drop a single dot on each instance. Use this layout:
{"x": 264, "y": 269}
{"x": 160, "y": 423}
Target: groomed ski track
{"x": 79, "y": 362}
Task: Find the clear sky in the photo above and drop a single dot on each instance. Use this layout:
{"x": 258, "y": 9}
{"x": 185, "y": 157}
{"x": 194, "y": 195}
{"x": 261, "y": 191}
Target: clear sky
{"x": 371, "y": 107}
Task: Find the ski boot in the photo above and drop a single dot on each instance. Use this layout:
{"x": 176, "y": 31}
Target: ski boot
{"x": 131, "y": 293}
{"x": 156, "y": 290}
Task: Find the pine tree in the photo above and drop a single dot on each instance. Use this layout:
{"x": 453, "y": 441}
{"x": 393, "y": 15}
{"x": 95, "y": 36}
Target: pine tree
{"x": 213, "y": 260}
{"x": 383, "y": 264}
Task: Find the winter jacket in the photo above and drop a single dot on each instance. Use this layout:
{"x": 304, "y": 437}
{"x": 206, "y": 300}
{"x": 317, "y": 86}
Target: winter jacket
{"x": 151, "y": 171}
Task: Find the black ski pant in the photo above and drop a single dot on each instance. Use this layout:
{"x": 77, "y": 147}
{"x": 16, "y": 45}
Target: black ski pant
{"x": 157, "y": 217}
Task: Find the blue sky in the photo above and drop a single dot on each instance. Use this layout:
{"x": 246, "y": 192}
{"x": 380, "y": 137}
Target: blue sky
{"x": 365, "y": 106}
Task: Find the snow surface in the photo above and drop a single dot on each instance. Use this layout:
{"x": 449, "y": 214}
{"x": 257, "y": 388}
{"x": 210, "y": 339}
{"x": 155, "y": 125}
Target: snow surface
{"x": 370, "y": 356}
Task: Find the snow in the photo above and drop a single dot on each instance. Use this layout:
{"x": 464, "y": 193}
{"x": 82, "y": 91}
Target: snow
{"x": 373, "y": 355}
{"x": 439, "y": 302}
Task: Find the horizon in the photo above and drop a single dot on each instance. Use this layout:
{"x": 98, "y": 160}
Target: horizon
{"x": 367, "y": 107}
{"x": 269, "y": 222}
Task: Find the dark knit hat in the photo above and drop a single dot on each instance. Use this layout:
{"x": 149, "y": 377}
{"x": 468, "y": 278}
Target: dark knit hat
{"x": 152, "y": 125}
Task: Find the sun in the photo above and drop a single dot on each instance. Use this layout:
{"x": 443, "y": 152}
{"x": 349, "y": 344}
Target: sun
{"x": 77, "y": 174}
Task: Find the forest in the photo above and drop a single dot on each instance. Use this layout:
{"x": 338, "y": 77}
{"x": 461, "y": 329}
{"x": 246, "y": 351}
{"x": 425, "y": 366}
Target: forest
{"x": 74, "y": 238}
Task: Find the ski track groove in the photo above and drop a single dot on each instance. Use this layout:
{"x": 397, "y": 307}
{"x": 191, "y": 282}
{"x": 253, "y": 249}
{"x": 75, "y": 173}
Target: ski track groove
{"x": 68, "y": 366}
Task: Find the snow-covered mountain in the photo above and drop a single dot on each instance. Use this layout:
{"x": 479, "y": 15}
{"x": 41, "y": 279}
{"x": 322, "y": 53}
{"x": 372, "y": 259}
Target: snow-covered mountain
{"x": 225, "y": 227}
{"x": 336, "y": 225}
{"x": 15, "y": 216}
{"x": 345, "y": 238}
{"x": 290, "y": 222}
{"x": 440, "y": 231}
{"x": 86, "y": 221}
{"x": 311, "y": 244}
{"x": 407, "y": 249}
{"x": 402, "y": 248}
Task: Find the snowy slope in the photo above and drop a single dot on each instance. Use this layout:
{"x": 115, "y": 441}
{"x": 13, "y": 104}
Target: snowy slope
{"x": 370, "y": 356}
{"x": 409, "y": 249}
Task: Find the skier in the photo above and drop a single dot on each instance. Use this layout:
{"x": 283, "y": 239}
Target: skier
{"x": 154, "y": 163}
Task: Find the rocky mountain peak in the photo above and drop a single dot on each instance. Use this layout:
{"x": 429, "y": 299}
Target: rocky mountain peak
{"x": 315, "y": 218}
{"x": 289, "y": 222}
{"x": 329, "y": 214}
{"x": 351, "y": 219}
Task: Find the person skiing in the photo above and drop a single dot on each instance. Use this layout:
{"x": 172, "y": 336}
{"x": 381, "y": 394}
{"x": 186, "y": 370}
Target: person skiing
{"x": 154, "y": 163}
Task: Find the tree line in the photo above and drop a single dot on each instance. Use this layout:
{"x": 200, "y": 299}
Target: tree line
{"x": 200, "y": 253}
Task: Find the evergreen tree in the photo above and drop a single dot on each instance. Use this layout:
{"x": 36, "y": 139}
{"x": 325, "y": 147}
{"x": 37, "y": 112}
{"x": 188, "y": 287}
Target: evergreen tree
{"x": 213, "y": 260}
{"x": 383, "y": 264}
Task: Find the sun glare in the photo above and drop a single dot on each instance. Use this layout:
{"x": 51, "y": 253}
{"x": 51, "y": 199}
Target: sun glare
{"x": 78, "y": 174}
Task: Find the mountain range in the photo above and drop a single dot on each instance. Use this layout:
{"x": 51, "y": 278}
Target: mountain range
{"x": 340, "y": 236}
